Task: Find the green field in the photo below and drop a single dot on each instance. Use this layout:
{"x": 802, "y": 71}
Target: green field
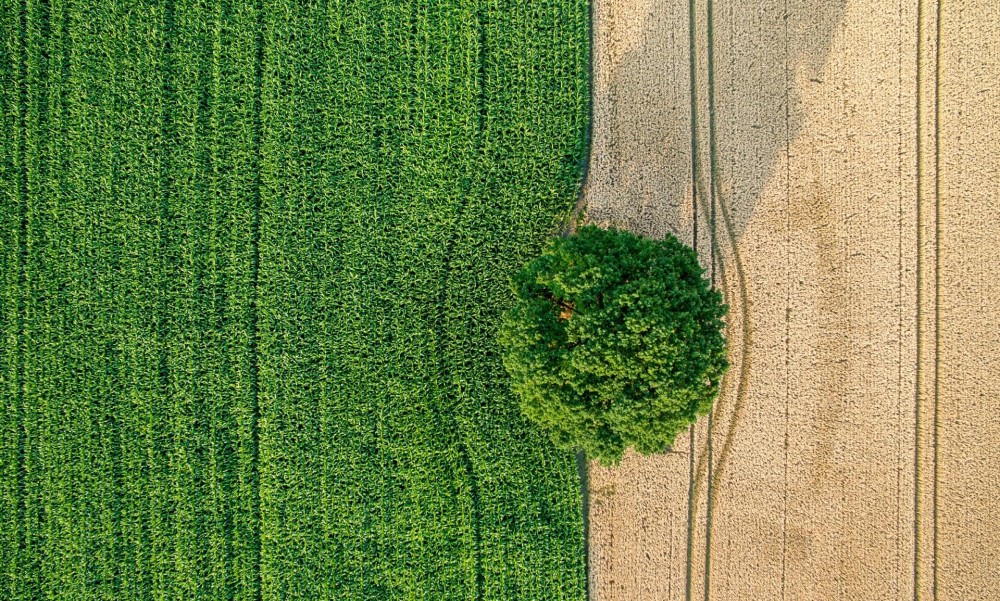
{"x": 252, "y": 261}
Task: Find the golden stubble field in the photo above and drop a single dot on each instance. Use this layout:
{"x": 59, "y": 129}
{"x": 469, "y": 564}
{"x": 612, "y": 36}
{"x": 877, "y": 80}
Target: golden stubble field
{"x": 835, "y": 164}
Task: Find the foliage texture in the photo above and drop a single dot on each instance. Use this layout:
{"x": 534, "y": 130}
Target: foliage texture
{"x": 615, "y": 341}
{"x": 249, "y": 254}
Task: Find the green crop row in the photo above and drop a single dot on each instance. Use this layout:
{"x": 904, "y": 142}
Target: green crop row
{"x": 252, "y": 258}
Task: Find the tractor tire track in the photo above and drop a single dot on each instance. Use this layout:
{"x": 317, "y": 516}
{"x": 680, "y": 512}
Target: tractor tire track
{"x": 922, "y": 388}
{"x": 708, "y": 472}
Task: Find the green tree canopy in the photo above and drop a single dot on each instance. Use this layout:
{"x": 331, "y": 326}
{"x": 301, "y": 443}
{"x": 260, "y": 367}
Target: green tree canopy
{"x": 614, "y": 341}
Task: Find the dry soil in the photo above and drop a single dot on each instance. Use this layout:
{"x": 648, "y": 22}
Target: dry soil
{"x": 835, "y": 163}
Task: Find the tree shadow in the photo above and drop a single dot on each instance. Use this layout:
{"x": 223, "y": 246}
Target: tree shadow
{"x": 640, "y": 174}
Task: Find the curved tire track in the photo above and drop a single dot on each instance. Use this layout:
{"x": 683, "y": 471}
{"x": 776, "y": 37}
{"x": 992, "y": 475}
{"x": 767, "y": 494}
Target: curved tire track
{"x": 707, "y": 470}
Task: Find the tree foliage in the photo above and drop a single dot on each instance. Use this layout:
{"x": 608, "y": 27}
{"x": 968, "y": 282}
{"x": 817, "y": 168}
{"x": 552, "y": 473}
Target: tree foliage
{"x": 614, "y": 341}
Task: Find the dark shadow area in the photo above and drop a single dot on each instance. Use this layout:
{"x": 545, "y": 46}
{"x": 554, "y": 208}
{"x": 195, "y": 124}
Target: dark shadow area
{"x": 640, "y": 174}
{"x": 761, "y": 57}
{"x": 583, "y": 473}
{"x": 640, "y": 158}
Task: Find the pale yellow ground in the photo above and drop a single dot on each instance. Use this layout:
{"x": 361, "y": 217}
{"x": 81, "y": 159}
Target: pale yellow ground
{"x": 847, "y": 194}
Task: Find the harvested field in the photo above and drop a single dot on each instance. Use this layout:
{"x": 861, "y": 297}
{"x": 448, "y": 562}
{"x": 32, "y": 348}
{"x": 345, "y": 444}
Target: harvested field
{"x": 834, "y": 164}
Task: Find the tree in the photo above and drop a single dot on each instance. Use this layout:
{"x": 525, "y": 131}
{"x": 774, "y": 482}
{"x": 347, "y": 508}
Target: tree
{"x": 614, "y": 341}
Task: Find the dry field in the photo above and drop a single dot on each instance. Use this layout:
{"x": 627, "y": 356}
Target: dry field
{"x": 835, "y": 162}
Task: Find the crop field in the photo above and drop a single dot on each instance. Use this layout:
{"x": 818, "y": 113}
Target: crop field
{"x": 252, "y": 257}
{"x": 834, "y": 162}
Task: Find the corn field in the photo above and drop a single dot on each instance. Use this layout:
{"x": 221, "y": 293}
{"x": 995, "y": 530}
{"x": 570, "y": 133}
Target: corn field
{"x": 252, "y": 261}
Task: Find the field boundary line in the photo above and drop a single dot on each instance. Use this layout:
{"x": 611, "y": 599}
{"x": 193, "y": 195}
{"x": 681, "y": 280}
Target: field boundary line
{"x": 688, "y": 566}
{"x": 693, "y": 87}
{"x": 583, "y": 472}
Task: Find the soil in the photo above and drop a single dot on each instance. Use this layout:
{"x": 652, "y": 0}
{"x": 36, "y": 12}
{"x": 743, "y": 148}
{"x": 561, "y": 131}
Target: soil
{"x": 834, "y": 164}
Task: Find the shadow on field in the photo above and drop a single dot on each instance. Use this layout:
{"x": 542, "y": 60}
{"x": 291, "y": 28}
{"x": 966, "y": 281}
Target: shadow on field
{"x": 640, "y": 175}
{"x": 651, "y": 138}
